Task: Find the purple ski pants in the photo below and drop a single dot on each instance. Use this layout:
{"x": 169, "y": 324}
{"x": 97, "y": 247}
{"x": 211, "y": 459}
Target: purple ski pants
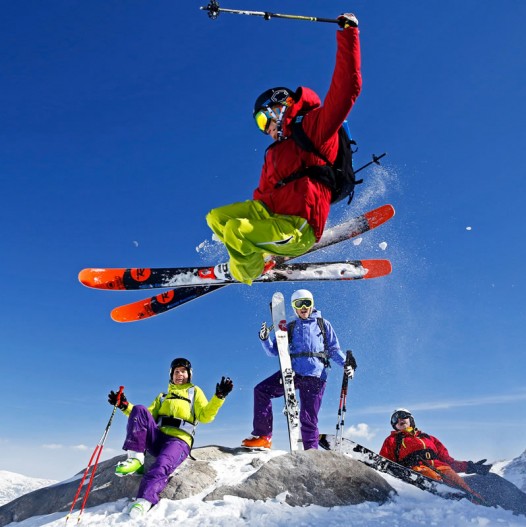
{"x": 142, "y": 435}
{"x": 311, "y": 393}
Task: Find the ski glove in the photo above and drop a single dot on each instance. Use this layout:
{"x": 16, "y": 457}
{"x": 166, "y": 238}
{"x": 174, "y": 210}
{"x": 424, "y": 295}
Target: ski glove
{"x": 347, "y": 20}
{"x": 264, "y": 332}
{"x": 123, "y": 403}
{"x": 224, "y": 387}
{"x": 478, "y": 467}
{"x": 350, "y": 364}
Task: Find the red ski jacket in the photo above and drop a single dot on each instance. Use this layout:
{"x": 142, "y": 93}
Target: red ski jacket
{"x": 414, "y": 444}
{"x": 306, "y": 197}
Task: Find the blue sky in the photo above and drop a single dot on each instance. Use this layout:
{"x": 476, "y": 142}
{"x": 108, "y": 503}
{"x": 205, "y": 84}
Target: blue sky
{"x": 127, "y": 122}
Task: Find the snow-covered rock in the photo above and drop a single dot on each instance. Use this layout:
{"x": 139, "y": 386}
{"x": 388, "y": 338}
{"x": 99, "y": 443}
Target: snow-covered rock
{"x": 514, "y": 470}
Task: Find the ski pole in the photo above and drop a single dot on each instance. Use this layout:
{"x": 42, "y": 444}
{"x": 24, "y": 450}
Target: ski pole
{"x": 342, "y": 408}
{"x": 214, "y": 10}
{"x": 376, "y": 161}
{"x": 93, "y": 464}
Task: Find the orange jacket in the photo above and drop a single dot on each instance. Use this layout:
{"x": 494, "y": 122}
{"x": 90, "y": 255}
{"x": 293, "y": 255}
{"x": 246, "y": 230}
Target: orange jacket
{"x": 413, "y": 444}
{"x": 306, "y": 197}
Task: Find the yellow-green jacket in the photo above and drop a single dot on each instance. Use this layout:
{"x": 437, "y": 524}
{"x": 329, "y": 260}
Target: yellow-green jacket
{"x": 176, "y": 404}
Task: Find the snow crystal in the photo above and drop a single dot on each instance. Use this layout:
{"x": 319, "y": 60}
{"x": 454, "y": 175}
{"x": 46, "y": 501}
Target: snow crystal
{"x": 383, "y": 246}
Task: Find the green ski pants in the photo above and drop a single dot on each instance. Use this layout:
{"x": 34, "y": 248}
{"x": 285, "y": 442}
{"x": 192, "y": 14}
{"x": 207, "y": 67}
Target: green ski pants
{"x": 249, "y": 232}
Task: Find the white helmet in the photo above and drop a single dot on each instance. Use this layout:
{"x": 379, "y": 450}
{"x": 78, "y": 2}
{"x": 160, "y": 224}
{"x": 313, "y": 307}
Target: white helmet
{"x": 402, "y": 413}
{"x": 300, "y": 294}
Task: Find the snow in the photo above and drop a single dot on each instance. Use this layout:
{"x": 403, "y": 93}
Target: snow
{"x": 13, "y": 485}
{"x": 514, "y": 470}
{"x": 410, "y": 508}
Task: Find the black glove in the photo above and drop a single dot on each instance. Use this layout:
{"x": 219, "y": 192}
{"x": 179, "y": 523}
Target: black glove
{"x": 224, "y": 387}
{"x": 123, "y": 403}
{"x": 264, "y": 332}
{"x": 350, "y": 365}
{"x": 478, "y": 467}
{"x": 347, "y": 20}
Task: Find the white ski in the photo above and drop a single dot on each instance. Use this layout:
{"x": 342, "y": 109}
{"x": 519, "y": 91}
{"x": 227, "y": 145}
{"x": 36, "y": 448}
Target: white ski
{"x": 291, "y": 409}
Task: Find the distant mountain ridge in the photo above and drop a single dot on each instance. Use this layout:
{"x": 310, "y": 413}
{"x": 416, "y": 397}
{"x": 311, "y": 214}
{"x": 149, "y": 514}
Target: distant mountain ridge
{"x": 13, "y": 485}
{"x": 514, "y": 470}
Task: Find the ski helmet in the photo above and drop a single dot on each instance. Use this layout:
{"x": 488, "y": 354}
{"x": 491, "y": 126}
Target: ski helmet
{"x": 402, "y": 413}
{"x": 263, "y": 112}
{"x": 180, "y": 362}
{"x": 301, "y": 294}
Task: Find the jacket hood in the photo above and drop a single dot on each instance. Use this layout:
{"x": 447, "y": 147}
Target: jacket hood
{"x": 407, "y": 431}
{"x": 314, "y": 314}
{"x": 305, "y": 101}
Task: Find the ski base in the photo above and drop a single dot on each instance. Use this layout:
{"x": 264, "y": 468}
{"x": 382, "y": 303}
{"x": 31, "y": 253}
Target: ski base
{"x": 382, "y": 464}
{"x": 134, "y": 279}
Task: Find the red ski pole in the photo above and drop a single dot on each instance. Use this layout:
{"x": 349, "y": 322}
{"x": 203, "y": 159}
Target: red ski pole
{"x": 342, "y": 409}
{"x": 96, "y": 455}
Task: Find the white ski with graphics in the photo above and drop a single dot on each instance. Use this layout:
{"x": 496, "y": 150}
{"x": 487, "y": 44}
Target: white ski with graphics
{"x": 291, "y": 410}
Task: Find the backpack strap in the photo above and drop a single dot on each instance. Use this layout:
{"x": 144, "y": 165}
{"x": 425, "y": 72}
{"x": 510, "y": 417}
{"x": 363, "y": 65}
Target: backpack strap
{"x": 304, "y": 141}
{"x": 321, "y": 172}
{"x": 290, "y": 330}
{"x": 398, "y": 446}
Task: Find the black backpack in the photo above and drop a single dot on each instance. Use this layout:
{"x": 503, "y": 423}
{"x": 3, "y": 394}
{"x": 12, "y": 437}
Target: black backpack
{"x": 339, "y": 177}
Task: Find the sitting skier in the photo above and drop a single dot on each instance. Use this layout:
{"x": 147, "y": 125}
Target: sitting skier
{"x": 424, "y": 453}
{"x": 166, "y": 430}
{"x": 310, "y": 351}
{"x": 287, "y": 218}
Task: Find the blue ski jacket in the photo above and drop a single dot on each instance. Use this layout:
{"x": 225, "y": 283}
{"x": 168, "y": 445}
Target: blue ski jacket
{"x": 306, "y": 339}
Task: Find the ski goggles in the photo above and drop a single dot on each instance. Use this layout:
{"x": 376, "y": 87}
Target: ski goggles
{"x": 302, "y": 302}
{"x": 263, "y": 119}
{"x": 399, "y": 415}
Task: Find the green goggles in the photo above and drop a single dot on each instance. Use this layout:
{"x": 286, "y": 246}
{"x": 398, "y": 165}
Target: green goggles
{"x": 302, "y": 302}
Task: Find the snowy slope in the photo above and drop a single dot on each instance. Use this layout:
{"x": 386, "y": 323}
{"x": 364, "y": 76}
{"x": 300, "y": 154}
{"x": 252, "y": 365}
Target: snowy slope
{"x": 514, "y": 470}
{"x": 411, "y": 508}
{"x": 14, "y": 485}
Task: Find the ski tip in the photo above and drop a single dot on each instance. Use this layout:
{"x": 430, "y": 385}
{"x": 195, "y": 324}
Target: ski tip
{"x": 102, "y": 278}
{"x": 128, "y": 313}
{"x": 376, "y": 268}
{"x": 380, "y": 215}
{"x": 86, "y": 277}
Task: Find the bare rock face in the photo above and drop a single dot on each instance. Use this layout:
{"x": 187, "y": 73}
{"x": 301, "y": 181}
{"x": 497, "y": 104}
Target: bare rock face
{"x": 311, "y": 477}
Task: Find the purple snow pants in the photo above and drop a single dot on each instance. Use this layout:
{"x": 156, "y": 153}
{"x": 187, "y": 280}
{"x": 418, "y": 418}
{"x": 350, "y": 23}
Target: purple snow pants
{"x": 311, "y": 393}
{"x": 142, "y": 435}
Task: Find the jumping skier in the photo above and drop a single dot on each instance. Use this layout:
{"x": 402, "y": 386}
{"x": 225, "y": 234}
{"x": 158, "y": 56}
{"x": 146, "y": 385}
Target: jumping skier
{"x": 312, "y": 342}
{"x": 166, "y": 430}
{"x": 284, "y": 217}
{"x": 424, "y": 453}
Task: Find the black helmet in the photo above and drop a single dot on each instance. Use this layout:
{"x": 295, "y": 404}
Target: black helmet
{"x": 185, "y": 363}
{"x": 272, "y": 97}
{"x": 402, "y": 413}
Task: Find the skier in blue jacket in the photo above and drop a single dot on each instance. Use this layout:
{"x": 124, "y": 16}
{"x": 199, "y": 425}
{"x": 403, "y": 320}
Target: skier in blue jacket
{"x": 310, "y": 351}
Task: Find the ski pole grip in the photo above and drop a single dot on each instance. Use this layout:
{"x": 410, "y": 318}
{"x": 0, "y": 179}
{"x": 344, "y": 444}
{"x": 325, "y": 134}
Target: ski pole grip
{"x": 119, "y": 393}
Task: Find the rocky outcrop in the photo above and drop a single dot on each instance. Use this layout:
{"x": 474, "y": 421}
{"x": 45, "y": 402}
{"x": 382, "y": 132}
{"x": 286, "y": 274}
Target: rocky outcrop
{"x": 311, "y": 477}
